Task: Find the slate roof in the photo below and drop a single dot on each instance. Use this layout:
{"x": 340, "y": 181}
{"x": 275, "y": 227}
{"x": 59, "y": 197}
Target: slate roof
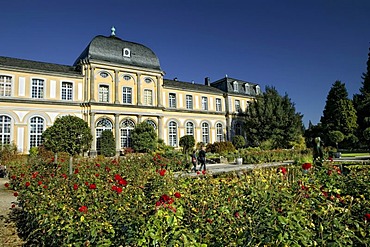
{"x": 110, "y": 49}
{"x": 226, "y": 84}
{"x": 40, "y": 66}
{"x": 188, "y": 86}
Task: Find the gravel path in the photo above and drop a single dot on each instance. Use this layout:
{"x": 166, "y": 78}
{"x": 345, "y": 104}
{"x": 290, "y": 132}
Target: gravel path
{"x": 8, "y": 230}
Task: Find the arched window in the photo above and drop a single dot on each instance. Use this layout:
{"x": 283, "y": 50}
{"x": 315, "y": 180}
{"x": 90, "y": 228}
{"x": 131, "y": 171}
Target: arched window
{"x": 172, "y": 134}
{"x": 36, "y": 129}
{"x": 5, "y": 128}
{"x": 190, "y": 128}
{"x": 219, "y": 132}
{"x": 152, "y": 123}
{"x": 101, "y": 125}
{"x": 205, "y": 133}
{"x": 126, "y": 128}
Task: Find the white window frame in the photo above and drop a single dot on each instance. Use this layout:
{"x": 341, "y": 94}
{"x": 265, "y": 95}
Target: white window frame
{"x": 172, "y": 134}
{"x": 189, "y": 102}
{"x": 37, "y": 88}
{"x": 236, "y": 86}
{"x": 5, "y": 129}
{"x": 219, "y": 132}
{"x": 126, "y": 127}
{"x": 67, "y": 92}
{"x": 237, "y": 105}
{"x": 148, "y": 97}
{"x": 103, "y": 95}
{"x": 126, "y": 95}
{"x": 189, "y": 128}
{"x": 218, "y": 104}
{"x": 172, "y": 100}
{"x": 6, "y": 83}
{"x": 205, "y": 133}
{"x": 36, "y": 127}
{"x": 204, "y": 103}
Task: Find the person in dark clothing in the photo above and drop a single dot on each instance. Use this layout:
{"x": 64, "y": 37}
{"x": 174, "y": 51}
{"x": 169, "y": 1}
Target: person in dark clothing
{"x": 194, "y": 161}
{"x": 202, "y": 159}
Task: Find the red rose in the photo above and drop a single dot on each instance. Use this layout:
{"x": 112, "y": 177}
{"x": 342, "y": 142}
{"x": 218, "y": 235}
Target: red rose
{"x": 367, "y": 217}
{"x": 97, "y": 175}
{"x": 283, "y": 170}
{"x": 177, "y": 195}
{"x": 203, "y": 172}
{"x": 39, "y": 182}
{"x": 83, "y": 209}
{"x": 123, "y": 182}
{"x": 64, "y": 176}
{"x": 117, "y": 177}
{"x": 76, "y": 171}
{"x": 75, "y": 186}
{"x": 13, "y": 205}
{"x": 13, "y": 177}
{"x": 236, "y": 215}
{"x": 306, "y": 166}
{"x": 158, "y": 203}
{"x": 119, "y": 190}
{"x": 198, "y": 172}
{"x": 98, "y": 165}
{"x": 6, "y": 185}
{"x": 28, "y": 184}
{"x": 114, "y": 188}
{"x": 162, "y": 172}
{"x": 107, "y": 169}
{"x": 15, "y": 194}
{"x": 45, "y": 186}
{"x": 86, "y": 183}
{"x": 92, "y": 186}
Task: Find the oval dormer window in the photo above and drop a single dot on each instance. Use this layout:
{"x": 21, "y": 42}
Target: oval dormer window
{"x": 148, "y": 80}
{"x": 127, "y": 77}
{"x": 126, "y": 52}
{"x": 104, "y": 74}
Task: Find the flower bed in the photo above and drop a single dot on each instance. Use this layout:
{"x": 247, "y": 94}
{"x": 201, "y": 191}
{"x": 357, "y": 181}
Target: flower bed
{"x": 137, "y": 202}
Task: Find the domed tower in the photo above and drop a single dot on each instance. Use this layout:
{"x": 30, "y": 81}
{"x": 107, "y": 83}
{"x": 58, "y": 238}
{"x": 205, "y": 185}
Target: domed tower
{"x": 122, "y": 87}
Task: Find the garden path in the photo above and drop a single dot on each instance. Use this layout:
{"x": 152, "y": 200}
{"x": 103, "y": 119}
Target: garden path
{"x": 8, "y": 230}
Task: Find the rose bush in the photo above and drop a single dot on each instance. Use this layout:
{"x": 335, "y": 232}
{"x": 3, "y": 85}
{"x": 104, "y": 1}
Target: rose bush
{"x": 137, "y": 201}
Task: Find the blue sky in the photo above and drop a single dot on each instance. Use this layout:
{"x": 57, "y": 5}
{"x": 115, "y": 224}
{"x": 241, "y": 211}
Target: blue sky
{"x": 301, "y": 47}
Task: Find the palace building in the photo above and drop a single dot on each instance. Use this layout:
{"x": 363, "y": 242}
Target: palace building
{"x": 115, "y": 84}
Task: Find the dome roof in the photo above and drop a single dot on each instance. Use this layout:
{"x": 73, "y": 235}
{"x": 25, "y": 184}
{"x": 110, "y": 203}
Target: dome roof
{"x": 115, "y": 50}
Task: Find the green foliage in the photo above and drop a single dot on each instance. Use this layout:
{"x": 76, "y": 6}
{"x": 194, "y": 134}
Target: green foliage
{"x": 336, "y": 137}
{"x": 69, "y": 134}
{"x": 362, "y": 102}
{"x": 7, "y": 153}
{"x": 131, "y": 203}
{"x": 108, "y": 144}
{"x": 239, "y": 141}
{"x": 367, "y": 134}
{"x": 339, "y": 113}
{"x": 187, "y": 143}
{"x": 144, "y": 138}
{"x": 220, "y": 147}
{"x": 273, "y": 117}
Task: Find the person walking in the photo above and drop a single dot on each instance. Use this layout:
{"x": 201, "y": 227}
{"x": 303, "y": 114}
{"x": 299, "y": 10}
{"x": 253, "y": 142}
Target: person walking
{"x": 202, "y": 159}
{"x": 194, "y": 161}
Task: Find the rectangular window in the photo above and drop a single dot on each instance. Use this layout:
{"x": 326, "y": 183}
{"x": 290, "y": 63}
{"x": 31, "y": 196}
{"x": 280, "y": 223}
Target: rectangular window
{"x": 218, "y": 105}
{"x": 37, "y": 88}
{"x": 103, "y": 93}
{"x": 5, "y": 85}
{"x": 237, "y": 105}
{"x": 189, "y": 102}
{"x": 67, "y": 90}
{"x": 148, "y": 97}
{"x": 127, "y": 95}
{"x": 172, "y": 100}
{"x": 204, "y": 103}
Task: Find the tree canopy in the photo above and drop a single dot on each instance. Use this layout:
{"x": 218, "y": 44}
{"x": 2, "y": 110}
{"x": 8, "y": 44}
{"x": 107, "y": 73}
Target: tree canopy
{"x": 144, "y": 138}
{"x": 68, "y": 134}
{"x": 108, "y": 145}
{"x": 273, "y": 117}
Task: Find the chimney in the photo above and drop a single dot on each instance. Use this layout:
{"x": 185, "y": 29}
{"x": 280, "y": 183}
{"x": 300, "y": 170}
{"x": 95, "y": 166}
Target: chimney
{"x": 207, "y": 81}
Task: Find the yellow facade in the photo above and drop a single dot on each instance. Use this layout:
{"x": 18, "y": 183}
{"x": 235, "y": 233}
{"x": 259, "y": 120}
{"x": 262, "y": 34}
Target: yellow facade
{"x": 115, "y": 85}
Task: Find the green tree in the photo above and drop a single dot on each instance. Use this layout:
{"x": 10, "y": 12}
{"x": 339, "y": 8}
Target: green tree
{"x": 361, "y": 102}
{"x": 68, "y": 134}
{"x": 273, "y": 117}
{"x": 238, "y": 141}
{"x": 339, "y": 113}
{"x": 312, "y": 132}
{"x": 366, "y": 134}
{"x": 336, "y": 137}
{"x": 108, "y": 144}
{"x": 144, "y": 138}
{"x": 187, "y": 143}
